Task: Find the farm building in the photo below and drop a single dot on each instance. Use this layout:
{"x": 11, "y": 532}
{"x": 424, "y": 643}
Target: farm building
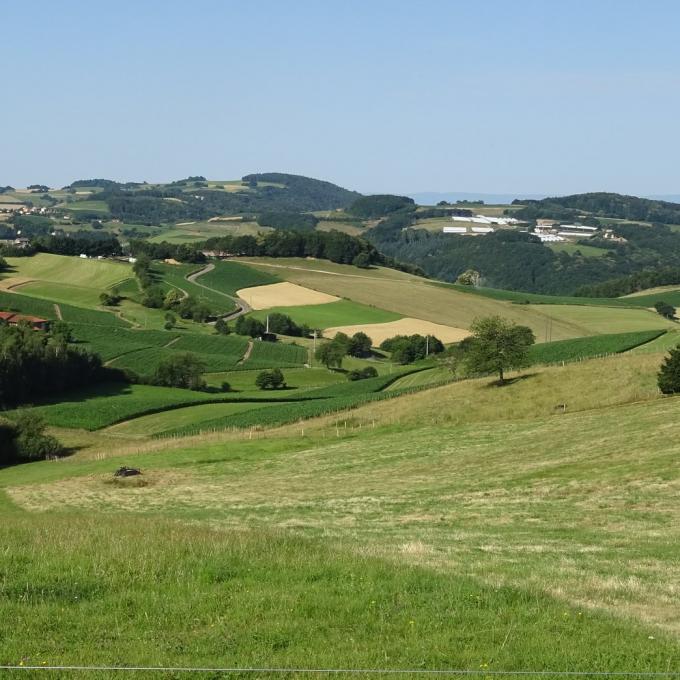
{"x": 575, "y": 230}
{"x": 485, "y": 219}
{"x": 455, "y": 230}
{"x": 15, "y": 242}
{"x": 13, "y": 319}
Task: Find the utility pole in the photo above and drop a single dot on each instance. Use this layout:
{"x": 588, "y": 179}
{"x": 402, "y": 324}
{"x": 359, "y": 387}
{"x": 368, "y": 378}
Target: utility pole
{"x": 313, "y": 349}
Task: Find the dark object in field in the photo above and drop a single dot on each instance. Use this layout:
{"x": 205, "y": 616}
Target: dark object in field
{"x": 126, "y": 472}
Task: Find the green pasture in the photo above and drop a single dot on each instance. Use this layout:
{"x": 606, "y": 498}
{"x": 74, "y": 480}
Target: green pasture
{"x": 597, "y": 345}
{"x": 175, "y": 275}
{"x": 229, "y": 277}
{"x": 87, "y": 206}
{"x": 275, "y": 355}
{"x": 74, "y": 271}
{"x": 596, "y": 320}
{"x": 296, "y": 378}
{"x": 481, "y": 511}
{"x": 62, "y": 293}
{"x": 102, "y": 405}
{"x": 574, "y": 248}
{"x": 188, "y": 416}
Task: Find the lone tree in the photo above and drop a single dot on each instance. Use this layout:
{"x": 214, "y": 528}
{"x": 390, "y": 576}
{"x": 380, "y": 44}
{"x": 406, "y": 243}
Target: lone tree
{"x": 666, "y": 310}
{"x": 498, "y": 345}
{"x": 668, "y": 378}
{"x": 181, "y": 370}
{"x": 270, "y": 379}
{"x": 331, "y": 354}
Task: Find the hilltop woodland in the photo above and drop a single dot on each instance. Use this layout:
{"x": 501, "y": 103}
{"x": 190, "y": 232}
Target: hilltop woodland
{"x": 194, "y": 199}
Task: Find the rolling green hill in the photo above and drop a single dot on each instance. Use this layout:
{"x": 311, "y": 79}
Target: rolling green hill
{"x": 459, "y": 527}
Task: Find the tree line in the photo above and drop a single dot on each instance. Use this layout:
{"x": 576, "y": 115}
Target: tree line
{"x": 599, "y": 204}
{"x": 35, "y": 364}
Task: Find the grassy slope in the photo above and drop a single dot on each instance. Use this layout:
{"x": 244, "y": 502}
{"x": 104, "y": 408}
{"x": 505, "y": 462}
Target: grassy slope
{"x": 228, "y": 277}
{"x": 521, "y": 529}
{"x": 73, "y": 271}
{"x": 104, "y": 405}
{"x": 175, "y": 275}
{"x": 419, "y": 298}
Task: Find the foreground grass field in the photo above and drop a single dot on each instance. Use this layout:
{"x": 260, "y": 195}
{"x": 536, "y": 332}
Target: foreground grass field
{"x": 463, "y": 527}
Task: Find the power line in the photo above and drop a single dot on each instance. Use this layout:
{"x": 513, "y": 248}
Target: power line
{"x": 351, "y": 671}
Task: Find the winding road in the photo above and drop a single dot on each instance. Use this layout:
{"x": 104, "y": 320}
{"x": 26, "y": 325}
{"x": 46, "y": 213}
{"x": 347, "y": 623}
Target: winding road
{"x": 242, "y": 305}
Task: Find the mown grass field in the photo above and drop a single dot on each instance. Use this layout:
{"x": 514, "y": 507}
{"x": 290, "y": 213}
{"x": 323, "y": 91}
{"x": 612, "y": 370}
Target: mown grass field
{"x": 607, "y": 319}
{"x": 73, "y": 271}
{"x": 80, "y": 296}
{"x": 467, "y": 526}
{"x": 340, "y": 313}
{"x": 228, "y": 277}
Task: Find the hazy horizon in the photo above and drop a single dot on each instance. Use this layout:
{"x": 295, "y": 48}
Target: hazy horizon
{"x": 380, "y": 97}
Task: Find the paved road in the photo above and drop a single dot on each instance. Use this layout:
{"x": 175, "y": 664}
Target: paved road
{"x": 242, "y": 306}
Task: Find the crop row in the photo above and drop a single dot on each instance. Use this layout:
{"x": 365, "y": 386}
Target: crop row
{"x": 228, "y": 277}
{"x": 591, "y": 346}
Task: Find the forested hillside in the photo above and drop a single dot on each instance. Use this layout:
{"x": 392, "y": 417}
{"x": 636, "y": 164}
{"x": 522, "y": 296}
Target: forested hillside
{"x": 519, "y": 261}
{"x": 196, "y": 199}
{"x": 599, "y": 204}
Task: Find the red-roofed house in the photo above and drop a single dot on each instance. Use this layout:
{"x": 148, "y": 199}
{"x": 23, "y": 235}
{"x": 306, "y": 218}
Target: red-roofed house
{"x": 14, "y": 319}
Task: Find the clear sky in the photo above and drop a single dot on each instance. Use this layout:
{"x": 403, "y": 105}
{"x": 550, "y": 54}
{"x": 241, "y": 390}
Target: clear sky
{"x": 377, "y": 95}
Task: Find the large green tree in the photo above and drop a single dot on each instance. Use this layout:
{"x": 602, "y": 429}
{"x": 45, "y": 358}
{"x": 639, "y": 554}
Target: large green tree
{"x": 498, "y": 345}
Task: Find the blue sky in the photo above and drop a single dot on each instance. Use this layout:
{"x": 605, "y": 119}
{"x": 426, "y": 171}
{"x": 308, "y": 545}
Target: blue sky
{"x": 376, "y": 95}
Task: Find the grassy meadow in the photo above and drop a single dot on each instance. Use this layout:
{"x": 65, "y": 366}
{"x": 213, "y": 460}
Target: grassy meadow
{"x": 407, "y": 521}
{"x": 467, "y": 526}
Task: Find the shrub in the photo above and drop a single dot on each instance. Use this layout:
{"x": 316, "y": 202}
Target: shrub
{"x": 668, "y": 377}
{"x": 362, "y": 373}
{"x": 270, "y": 379}
{"x": 23, "y": 439}
{"x": 181, "y": 370}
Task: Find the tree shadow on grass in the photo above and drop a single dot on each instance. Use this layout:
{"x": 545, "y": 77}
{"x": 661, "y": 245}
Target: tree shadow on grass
{"x": 511, "y": 381}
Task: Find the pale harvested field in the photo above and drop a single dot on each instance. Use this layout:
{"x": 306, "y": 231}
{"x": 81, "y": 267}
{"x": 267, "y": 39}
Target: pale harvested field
{"x": 283, "y": 295}
{"x": 652, "y": 291}
{"x": 407, "y": 326}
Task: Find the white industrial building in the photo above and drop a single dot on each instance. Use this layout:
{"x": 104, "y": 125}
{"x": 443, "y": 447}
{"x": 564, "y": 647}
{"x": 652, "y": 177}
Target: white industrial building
{"x": 484, "y": 219}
